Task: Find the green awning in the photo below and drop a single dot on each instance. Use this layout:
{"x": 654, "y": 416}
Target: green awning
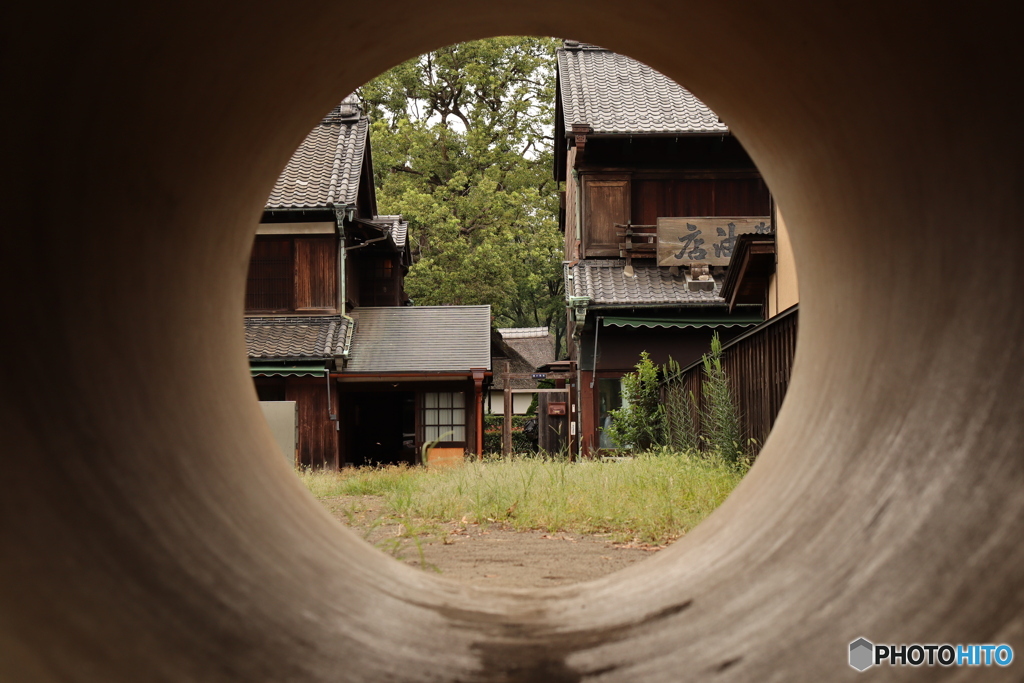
{"x": 721, "y": 321}
{"x": 288, "y": 370}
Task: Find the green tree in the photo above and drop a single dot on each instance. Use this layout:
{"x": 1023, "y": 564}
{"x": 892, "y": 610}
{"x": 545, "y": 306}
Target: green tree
{"x": 461, "y": 143}
{"x": 640, "y": 422}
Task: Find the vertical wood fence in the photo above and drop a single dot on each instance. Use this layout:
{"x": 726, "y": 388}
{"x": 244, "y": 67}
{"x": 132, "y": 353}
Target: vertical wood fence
{"x": 758, "y": 365}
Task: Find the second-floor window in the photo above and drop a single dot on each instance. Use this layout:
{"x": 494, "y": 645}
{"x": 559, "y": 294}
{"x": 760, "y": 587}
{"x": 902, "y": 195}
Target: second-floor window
{"x": 377, "y": 285}
{"x": 292, "y": 274}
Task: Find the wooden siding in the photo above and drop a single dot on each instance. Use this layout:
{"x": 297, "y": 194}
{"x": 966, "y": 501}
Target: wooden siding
{"x": 571, "y": 245}
{"x": 758, "y": 366}
{"x": 316, "y": 262}
{"x": 654, "y": 198}
{"x": 270, "y": 282}
{"x": 318, "y": 436}
{"x": 288, "y": 273}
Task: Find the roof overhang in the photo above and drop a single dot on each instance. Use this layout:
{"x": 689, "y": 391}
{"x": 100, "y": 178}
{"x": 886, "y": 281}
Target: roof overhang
{"x": 682, "y": 322}
{"x": 316, "y": 369}
{"x": 750, "y": 269}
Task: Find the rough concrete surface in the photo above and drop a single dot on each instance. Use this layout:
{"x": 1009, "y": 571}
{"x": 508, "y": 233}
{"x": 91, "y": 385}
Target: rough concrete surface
{"x": 150, "y": 530}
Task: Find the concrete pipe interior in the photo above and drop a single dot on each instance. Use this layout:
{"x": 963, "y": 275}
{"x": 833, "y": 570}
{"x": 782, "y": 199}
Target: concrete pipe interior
{"x": 149, "y": 531}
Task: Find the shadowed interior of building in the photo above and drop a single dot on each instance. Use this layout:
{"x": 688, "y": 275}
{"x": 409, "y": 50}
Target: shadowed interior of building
{"x": 150, "y": 530}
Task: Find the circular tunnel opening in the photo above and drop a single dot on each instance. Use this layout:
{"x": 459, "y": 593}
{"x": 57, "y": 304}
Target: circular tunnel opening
{"x": 884, "y": 506}
{"x": 593, "y": 257}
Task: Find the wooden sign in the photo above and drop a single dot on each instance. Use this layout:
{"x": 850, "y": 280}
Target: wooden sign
{"x": 706, "y": 239}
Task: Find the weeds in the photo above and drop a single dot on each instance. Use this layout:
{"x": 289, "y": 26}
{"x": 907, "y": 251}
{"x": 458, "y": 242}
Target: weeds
{"x": 652, "y": 498}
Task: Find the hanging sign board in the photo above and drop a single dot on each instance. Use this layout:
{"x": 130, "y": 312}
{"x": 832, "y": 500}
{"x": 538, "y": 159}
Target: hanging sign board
{"x": 710, "y": 240}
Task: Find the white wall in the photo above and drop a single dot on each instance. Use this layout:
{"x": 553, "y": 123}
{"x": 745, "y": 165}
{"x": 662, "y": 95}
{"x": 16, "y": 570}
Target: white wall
{"x": 496, "y": 403}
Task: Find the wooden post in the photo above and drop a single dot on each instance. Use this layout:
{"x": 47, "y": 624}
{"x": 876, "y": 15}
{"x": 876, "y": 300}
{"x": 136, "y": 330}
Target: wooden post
{"x": 478, "y": 403}
{"x": 506, "y": 429}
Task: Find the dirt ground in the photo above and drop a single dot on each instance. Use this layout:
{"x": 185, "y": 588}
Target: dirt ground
{"x": 486, "y": 555}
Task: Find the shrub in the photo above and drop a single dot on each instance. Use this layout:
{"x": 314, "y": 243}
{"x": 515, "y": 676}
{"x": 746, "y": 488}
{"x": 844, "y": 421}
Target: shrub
{"x": 640, "y": 423}
{"x": 720, "y": 419}
{"x": 681, "y": 411}
{"x": 521, "y": 443}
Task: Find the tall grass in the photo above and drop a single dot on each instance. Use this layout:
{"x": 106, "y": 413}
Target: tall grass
{"x": 652, "y": 498}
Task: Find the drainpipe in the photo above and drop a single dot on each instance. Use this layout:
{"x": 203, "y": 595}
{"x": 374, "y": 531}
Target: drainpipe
{"x": 340, "y": 214}
{"x": 579, "y": 306}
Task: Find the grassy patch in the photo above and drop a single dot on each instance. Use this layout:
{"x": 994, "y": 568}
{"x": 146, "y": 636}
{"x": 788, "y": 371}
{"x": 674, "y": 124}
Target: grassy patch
{"x": 652, "y": 498}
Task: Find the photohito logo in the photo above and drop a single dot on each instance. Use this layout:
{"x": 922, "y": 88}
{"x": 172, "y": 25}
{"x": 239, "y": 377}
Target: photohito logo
{"x": 865, "y": 654}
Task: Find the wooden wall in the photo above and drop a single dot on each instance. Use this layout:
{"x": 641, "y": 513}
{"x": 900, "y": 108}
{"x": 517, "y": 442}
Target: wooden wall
{"x": 653, "y": 198}
{"x": 758, "y": 367}
{"x": 318, "y": 436}
{"x": 316, "y": 279}
{"x": 291, "y": 273}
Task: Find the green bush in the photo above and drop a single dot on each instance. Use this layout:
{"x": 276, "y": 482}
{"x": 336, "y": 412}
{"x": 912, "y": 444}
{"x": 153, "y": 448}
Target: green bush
{"x": 640, "y": 423}
{"x": 521, "y": 443}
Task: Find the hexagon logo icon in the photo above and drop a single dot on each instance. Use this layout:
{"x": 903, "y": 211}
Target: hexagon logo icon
{"x": 862, "y": 654}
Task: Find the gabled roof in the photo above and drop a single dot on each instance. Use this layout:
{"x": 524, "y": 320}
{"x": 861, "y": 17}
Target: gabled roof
{"x": 527, "y": 348}
{"x": 616, "y": 95}
{"x": 420, "y": 339}
{"x": 606, "y": 283}
{"x": 325, "y": 169}
{"x": 295, "y": 337}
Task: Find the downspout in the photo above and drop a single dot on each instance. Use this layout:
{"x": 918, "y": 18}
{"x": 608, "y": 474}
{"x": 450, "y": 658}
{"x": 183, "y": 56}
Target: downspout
{"x": 339, "y": 225}
{"x": 579, "y": 304}
{"x": 340, "y": 216}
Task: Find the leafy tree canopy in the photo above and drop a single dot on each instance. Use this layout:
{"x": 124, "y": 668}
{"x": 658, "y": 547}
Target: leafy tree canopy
{"x": 461, "y": 144}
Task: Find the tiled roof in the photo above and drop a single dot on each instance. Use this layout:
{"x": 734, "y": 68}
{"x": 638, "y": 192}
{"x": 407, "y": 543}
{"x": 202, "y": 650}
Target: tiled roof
{"x": 399, "y": 228}
{"x": 325, "y": 169}
{"x": 421, "y": 339}
{"x": 522, "y": 332}
{"x": 606, "y": 283}
{"x": 321, "y": 336}
{"x": 614, "y": 94}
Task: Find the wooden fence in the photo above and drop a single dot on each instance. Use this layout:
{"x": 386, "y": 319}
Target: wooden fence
{"x": 758, "y": 365}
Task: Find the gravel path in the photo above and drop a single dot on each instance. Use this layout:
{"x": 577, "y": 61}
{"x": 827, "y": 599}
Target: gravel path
{"x": 487, "y": 555}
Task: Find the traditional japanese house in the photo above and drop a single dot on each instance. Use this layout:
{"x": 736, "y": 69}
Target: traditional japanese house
{"x": 657, "y": 191}
{"x": 520, "y": 351}
{"x": 325, "y": 276}
{"x": 414, "y": 375}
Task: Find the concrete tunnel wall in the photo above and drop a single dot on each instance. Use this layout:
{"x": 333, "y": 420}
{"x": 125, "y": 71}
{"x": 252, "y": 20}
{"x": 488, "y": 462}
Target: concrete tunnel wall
{"x": 150, "y": 531}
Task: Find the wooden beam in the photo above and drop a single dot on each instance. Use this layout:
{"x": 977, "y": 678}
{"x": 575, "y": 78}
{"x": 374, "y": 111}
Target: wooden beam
{"x": 563, "y": 390}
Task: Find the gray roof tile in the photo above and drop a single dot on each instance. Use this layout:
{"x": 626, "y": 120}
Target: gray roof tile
{"x": 293, "y": 337}
{"x": 421, "y": 339}
{"x": 606, "y": 283}
{"x": 616, "y": 95}
{"x": 399, "y": 228}
{"x": 325, "y": 169}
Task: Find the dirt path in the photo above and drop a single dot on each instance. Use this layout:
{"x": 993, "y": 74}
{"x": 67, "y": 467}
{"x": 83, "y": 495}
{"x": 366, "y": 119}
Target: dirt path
{"x": 486, "y": 555}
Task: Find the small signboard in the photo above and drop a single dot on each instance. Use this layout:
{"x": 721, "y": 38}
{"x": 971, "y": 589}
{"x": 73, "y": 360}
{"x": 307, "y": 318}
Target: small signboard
{"x": 539, "y": 375}
{"x": 705, "y": 239}
{"x": 556, "y": 408}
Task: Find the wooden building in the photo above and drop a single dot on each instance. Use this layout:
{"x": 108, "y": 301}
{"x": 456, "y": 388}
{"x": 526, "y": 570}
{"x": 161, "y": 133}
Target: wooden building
{"x": 657, "y": 191}
{"x": 517, "y": 350}
{"x": 414, "y": 375}
{"x": 324, "y": 269}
